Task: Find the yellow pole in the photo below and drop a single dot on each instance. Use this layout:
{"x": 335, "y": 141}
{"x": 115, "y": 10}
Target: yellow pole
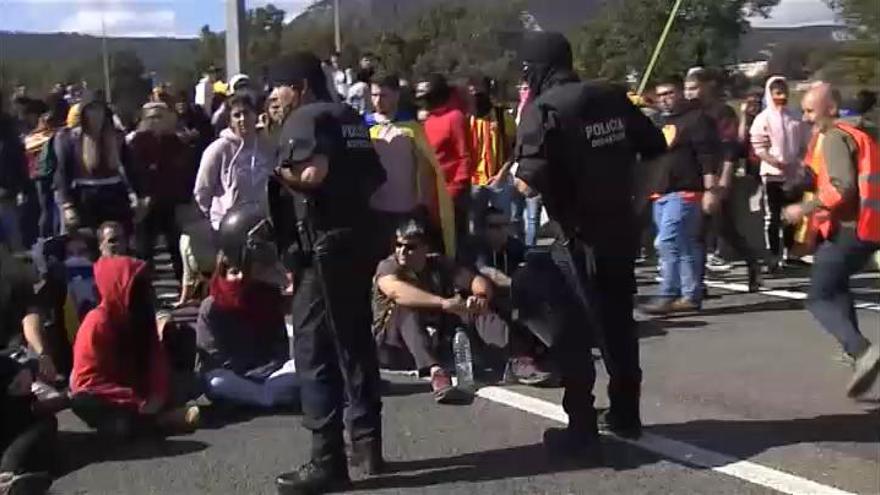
{"x": 659, "y": 47}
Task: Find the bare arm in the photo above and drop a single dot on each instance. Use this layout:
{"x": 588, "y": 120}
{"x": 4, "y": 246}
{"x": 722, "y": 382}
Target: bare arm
{"x": 31, "y": 324}
{"x": 408, "y": 295}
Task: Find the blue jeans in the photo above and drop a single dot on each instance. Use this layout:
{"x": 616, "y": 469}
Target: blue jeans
{"x": 280, "y": 388}
{"x": 532, "y": 221}
{"x": 680, "y": 245}
{"x": 830, "y": 300}
{"x": 9, "y": 223}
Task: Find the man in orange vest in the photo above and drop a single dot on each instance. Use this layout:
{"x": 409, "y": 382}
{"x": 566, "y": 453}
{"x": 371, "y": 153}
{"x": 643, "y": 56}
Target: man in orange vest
{"x": 845, "y": 218}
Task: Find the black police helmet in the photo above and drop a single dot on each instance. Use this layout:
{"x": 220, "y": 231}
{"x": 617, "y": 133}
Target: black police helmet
{"x": 246, "y": 237}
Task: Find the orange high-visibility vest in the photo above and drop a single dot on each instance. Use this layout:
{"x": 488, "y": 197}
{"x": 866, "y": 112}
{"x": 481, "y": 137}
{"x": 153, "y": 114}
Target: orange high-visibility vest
{"x": 866, "y": 213}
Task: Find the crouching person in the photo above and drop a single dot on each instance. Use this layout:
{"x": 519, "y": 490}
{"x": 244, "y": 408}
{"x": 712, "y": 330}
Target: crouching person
{"x": 240, "y": 333}
{"x": 416, "y": 293}
{"x": 120, "y": 382}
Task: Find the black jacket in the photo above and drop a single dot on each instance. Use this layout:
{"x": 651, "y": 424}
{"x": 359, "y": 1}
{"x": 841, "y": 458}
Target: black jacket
{"x": 694, "y": 151}
{"x": 577, "y": 145}
{"x": 13, "y": 164}
{"x": 336, "y": 131}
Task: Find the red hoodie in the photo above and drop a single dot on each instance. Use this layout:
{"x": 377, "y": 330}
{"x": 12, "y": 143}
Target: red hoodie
{"x": 102, "y": 362}
{"x": 447, "y": 131}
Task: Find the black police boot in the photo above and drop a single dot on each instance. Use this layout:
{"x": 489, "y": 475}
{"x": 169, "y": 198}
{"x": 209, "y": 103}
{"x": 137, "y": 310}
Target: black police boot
{"x": 754, "y": 277}
{"x": 623, "y": 427}
{"x": 570, "y": 443}
{"x": 366, "y": 458}
{"x": 315, "y": 478}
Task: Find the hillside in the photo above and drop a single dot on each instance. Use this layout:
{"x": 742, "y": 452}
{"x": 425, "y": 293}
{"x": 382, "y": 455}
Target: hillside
{"x": 757, "y": 42}
{"x": 161, "y": 54}
{"x": 559, "y": 15}
{"x": 157, "y": 54}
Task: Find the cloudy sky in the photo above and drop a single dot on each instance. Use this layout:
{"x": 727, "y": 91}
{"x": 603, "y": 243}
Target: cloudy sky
{"x": 185, "y": 17}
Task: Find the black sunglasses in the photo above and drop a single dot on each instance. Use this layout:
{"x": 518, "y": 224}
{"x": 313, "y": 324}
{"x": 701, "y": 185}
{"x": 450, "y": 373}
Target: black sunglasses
{"x": 407, "y": 246}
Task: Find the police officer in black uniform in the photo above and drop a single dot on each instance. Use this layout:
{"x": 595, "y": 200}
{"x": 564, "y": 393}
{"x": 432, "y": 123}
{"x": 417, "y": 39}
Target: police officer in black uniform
{"x": 327, "y": 162}
{"x": 577, "y": 146}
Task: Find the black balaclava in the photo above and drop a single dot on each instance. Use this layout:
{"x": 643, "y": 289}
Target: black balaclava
{"x": 293, "y": 69}
{"x": 547, "y": 60}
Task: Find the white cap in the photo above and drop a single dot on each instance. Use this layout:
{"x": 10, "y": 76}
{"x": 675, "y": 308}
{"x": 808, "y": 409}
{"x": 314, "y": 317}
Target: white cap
{"x": 234, "y": 80}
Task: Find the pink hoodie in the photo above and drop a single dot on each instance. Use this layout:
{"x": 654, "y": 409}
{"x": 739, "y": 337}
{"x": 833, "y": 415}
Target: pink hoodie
{"x": 232, "y": 172}
{"x": 779, "y": 132}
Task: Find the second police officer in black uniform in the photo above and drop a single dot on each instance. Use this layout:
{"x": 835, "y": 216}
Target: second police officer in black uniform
{"x": 577, "y": 146}
{"x": 327, "y": 161}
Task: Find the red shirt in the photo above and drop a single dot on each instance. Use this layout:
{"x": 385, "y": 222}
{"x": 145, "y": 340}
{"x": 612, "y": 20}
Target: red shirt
{"x": 447, "y": 131}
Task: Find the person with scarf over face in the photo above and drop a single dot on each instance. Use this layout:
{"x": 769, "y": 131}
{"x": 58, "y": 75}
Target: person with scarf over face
{"x": 120, "y": 381}
{"x": 240, "y": 332}
{"x": 780, "y": 140}
{"x": 90, "y": 179}
{"x": 577, "y": 145}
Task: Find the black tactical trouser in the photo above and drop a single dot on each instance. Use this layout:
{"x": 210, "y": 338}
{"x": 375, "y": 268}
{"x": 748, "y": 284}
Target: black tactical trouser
{"x": 334, "y": 351}
{"x": 609, "y": 285}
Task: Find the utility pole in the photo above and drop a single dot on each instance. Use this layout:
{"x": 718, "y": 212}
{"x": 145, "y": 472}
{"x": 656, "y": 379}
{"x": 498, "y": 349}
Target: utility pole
{"x": 106, "y": 56}
{"x": 336, "y": 26}
{"x": 235, "y": 19}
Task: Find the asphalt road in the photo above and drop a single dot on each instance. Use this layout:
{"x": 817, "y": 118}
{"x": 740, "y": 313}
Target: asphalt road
{"x": 751, "y": 378}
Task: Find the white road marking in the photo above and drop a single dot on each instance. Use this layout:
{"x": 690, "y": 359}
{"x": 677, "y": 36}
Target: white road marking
{"x": 785, "y": 294}
{"x": 676, "y": 450}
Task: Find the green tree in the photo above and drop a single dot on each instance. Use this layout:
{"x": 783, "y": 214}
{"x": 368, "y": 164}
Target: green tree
{"x": 130, "y": 86}
{"x": 856, "y": 61}
{"x": 618, "y": 41}
{"x": 460, "y": 40}
{"x": 211, "y": 49}
{"x": 264, "y": 27}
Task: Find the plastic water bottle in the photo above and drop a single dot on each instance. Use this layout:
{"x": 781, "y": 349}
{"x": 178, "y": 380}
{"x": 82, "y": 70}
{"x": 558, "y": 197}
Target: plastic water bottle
{"x": 464, "y": 361}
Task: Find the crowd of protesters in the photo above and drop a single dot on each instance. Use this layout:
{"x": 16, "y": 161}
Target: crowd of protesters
{"x": 86, "y": 200}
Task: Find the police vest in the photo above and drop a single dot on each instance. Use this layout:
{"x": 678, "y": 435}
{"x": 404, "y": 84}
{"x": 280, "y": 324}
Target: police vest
{"x": 866, "y": 213}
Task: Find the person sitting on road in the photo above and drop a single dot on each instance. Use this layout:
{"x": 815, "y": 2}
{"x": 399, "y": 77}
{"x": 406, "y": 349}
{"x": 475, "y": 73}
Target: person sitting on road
{"x": 112, "y": 239}
{"x": 28, "y": 432}
{"x": 21, "y": 322}
{"x": 414, "y": 291}
{"x": 240, "y": 333}
{"x": 120, "y": 383}
{"x": 497, "y": 255}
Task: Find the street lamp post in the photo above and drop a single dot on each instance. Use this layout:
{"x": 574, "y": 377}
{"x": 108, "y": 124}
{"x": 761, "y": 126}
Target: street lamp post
{"x": 338, "y": 34}
{"x": 235, "y": 17}
{"x": 106, "y": 59}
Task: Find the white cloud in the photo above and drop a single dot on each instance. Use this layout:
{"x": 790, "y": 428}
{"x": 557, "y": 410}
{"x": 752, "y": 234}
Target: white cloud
{"x": 791, "y": 13}
{"x": 121, "y": 22}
